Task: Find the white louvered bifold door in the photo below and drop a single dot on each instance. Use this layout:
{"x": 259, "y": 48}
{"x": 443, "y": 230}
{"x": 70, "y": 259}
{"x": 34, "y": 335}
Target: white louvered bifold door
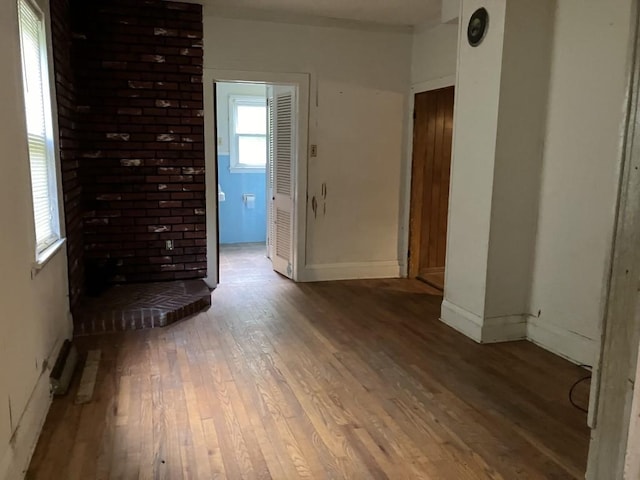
{"x": 270, "y": 174}
{"x": 284, "y": 153}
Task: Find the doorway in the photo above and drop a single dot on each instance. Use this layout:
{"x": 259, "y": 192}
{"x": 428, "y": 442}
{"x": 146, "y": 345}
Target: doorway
{"x": 430, "y": 173}
{"x": 256, "y": 124}
{"x": 243, "y": 163}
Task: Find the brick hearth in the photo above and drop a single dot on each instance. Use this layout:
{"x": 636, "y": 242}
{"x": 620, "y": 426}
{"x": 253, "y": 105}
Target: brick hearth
{"x": 136, "y": 306}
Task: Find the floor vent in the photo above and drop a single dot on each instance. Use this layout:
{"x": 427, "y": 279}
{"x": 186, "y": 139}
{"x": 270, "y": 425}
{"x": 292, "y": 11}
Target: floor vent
{"x": 62, "y": 371}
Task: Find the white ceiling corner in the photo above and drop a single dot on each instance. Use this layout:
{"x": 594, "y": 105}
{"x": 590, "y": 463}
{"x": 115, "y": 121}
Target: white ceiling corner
{"x": 383, "y": 12}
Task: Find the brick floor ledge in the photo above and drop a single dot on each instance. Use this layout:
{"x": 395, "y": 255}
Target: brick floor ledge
{"x": 144, "y": 305}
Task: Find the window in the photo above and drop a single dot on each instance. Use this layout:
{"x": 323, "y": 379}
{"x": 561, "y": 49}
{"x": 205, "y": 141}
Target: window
{"x": 39, "y": 132}
{"x": 248, "y": 130}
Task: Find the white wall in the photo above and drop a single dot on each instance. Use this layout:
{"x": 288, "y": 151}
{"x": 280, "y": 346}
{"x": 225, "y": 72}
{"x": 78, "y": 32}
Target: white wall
{"x": 34, "y": 316}
{"x": 434, "y": 53}
{"x": 579, "y": 146}
{"x": 519, "y": 145}
{"x": 472, "y": 167}
{"x": 580, "y": 175}
{"x": 499, "y": 126}
{"x": 359, "y": 84}
{"x": 222, "y": 100}
{"x": 450, "y": 10}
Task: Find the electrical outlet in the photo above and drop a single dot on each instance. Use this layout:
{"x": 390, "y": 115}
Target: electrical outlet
{"x": 314, "y": 150}
{"x": 169, "y": 245}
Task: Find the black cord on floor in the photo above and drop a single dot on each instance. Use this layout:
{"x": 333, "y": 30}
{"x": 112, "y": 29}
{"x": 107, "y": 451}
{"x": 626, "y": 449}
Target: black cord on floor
{"x": 573, "y": 387}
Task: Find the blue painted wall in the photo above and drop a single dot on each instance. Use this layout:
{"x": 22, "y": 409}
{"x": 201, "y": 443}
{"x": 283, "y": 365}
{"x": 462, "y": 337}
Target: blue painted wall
{"x": 239, "y": 224}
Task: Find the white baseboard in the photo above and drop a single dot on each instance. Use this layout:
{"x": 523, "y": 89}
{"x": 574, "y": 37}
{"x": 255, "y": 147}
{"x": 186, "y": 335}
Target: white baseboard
{"x": 404, "y": 270}
{"x": 569, "y": 345}
{"x": 564, "y": 343}
{"x": 15, "y": 461}
{"x": 349, "y": 271}
{"x": 487, "y": 330}
{"x": 461, "y": 320}
{"x": 507, "y": 328}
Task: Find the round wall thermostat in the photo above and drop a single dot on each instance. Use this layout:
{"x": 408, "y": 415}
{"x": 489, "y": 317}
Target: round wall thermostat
{"x": 478, "y": 25}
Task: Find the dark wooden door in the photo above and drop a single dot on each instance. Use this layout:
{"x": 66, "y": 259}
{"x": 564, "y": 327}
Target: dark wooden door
{"x": 431, "y": 167}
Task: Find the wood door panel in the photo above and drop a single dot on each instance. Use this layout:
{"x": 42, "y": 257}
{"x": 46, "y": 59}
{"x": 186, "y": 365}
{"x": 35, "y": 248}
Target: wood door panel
{"x": 439, "y": 164}
{"x": 417, "y": 185}
{"x": 446, "y": 176}
{"x": 432, "y": 138}
{"x": 430, "y": 141}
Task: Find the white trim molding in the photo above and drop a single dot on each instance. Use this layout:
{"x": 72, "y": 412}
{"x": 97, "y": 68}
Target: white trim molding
{"x": 488, "y": 330}
{"x": 613, "y": 452}
{"x": 462, "y": 320}
{"x": 303, "y": 83}
{"x": 24, "y": 439}
{"x": 434, "y": 84}
{"x": 506, "y": 328}
{"x": 350, "y": 271}
{"x": 46, "y": 255}
{"x": 564, "y": 343}
{"x": 405, "y": 192}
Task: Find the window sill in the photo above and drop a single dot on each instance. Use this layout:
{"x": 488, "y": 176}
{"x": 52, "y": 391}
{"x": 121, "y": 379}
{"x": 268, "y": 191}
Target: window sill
{"x": 248, "y": 170}
{"x": 46, "y": 255}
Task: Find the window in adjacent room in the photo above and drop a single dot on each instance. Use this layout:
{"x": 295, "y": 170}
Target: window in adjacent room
{"x": 39, "y": 130}
{"x": 248, "y": 131}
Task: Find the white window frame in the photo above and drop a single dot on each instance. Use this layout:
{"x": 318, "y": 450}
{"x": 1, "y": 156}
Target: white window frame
{"x": 234, "y": 101}
{"x": 44, "y": 248}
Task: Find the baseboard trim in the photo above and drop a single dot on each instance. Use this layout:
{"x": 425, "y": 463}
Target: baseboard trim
{"x": 461, "y": 320}
{"x": 489, "y": 330}
{"x": 15, "y": 461}
{"x": 350, "y": 271}
{"x": 564, "y": 343}
{"x": 507, "y": 328}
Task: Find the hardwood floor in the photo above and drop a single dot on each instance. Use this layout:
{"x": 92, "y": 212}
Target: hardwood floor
{"x": 352, "y": 380}
{"x": 435, "y": 279}
{"x": 246, "y": 263}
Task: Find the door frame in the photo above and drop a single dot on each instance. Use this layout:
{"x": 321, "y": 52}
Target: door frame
{"x": 405, "y": 223}
{"x": 614, "y": 392}
{"x": 302, "y": 82}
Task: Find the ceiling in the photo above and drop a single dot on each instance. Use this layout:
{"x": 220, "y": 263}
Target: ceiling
{"x": 388, "y": 12}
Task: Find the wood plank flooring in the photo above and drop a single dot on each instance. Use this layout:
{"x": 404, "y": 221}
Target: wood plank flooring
{"x": 434, "y": 279}
{"x": 344, "y": 380}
